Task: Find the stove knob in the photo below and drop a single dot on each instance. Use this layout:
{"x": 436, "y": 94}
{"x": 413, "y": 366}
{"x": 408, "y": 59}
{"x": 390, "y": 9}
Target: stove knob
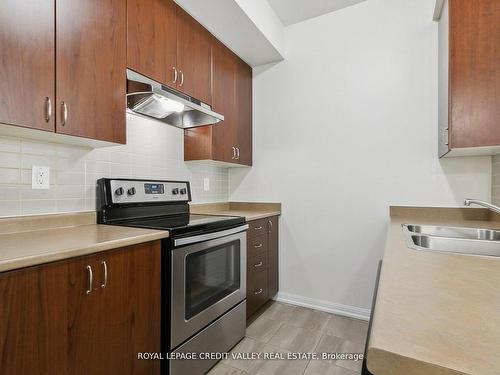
{"x": 119, "y": 191}
{"x": 183, "y": 191}
{"x": 175, "y": 191}
{"x": 131, "y": 191}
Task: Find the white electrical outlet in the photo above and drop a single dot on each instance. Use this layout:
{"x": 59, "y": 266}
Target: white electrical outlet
{"x": 206, "y": 184}
{"x": 40, "y": 177}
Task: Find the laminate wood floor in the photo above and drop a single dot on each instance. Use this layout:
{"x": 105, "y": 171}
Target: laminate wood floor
{"x": 283, "y": 328}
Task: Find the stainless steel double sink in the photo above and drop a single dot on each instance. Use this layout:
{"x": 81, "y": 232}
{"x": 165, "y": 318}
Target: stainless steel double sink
{"x": 472, "y": 241}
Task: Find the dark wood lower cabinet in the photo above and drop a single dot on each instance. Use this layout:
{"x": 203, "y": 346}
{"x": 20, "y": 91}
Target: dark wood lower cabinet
{"x": 33, "y": 320}
{"x": 51, "y": 325}
{"x": 262, "y": 263}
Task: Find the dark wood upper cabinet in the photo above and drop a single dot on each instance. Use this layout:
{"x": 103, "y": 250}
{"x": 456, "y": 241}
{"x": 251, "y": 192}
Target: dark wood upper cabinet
{"x": 91, "y": 68}
{"x": 166, "y": 44}
{"x": 229, "y": 141}
{"x": 225, "y": 133}
{"x": 244, "y": 112}
{"x": 27, "y": 71}
{"x": 152, "y": 39}
{"x": 469, "y": 115}
{"x": 51, "y": 325}
{"x": 194, "y": 58}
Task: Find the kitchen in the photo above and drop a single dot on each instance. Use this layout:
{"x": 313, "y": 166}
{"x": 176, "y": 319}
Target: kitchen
{"x": 193, "y": 177}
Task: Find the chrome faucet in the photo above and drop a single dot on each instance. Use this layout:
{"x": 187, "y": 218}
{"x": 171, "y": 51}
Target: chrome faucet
{"x": 489, "y": 206}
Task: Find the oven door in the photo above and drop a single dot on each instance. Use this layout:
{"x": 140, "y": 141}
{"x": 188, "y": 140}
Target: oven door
{"x": 208, "y": 279}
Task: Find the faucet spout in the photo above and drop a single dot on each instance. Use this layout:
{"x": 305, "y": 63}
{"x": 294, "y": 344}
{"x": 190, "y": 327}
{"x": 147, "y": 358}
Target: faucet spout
{"x": 489, "y": 206}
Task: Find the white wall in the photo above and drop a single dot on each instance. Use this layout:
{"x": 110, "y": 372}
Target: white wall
{"x": 153, "y": 150}
{"x": 343, "y": 128}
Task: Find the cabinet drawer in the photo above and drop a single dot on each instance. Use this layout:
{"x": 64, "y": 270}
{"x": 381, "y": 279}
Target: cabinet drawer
{"x": 257, "y": 263}
{"x": 256, "y": 246}
{"x": 257, "y": 228}
{"x": 256, "y": 291}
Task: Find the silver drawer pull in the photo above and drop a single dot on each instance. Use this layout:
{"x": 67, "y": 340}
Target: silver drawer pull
{"x": 105, "y": 270}
{"x": 182, "y": 78}
{"x": 258, "y": 264}
{"x": 48, "y": 109}
{"x": 258, "y": 246}
{"x": 258, "y": 228}
{"x": 91, "y": 280}
{"x": 258, "y": 291}
{"x": 64, "y": 114}
{"x": 175, "y": 74}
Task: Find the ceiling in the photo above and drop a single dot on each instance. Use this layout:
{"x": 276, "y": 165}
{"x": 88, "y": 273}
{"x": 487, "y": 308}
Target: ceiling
{"x": 293, "y": 11}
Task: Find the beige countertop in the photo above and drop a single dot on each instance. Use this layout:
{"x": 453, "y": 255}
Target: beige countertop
{"x": 249, "y": 210}
{"x": 34, "y": 240}
{"x": 436, "y": 313}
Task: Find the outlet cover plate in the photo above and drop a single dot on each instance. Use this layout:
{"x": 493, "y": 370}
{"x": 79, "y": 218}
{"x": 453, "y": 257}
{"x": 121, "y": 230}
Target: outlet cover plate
{"x": 40, "y": 177}
{"x": 206, "y": 184}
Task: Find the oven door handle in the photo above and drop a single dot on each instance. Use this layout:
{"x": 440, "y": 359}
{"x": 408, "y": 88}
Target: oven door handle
{"x": 209, "y": 236}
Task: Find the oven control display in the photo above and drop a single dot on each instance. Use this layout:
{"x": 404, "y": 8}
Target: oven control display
{"x": 154, "y": 189}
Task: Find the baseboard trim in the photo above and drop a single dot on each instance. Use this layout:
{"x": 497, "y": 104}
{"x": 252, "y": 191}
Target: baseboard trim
{"x": 316, "y": 304}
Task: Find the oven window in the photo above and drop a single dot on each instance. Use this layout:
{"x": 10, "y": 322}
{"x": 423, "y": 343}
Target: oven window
{"x": 211, "y": 275}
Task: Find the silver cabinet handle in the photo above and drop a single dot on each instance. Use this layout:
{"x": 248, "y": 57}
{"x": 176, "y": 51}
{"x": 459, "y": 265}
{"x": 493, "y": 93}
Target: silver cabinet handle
{"x": 175, "y": 74}
{"x": 270, "y": 224}
{"x": 258, "y": 265}
{"x": 105, "y": 270}
{"x": 258, "y": 291}
{"x": 258, "y": 246}
{"x": 258, "y": 228}
{"x": 234, "y": 153}
{"x": 182, "y": 77}
{"x": 48, "y": 109}
{"x": 91, "y": 280}
{"x": 64, "y": 110}
{"x": 238, "y": 155}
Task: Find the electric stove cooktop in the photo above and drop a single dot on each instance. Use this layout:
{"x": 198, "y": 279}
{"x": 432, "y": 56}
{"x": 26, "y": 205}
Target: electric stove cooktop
{"x": 186, "y": 223}
{"x": 156, "y": 204}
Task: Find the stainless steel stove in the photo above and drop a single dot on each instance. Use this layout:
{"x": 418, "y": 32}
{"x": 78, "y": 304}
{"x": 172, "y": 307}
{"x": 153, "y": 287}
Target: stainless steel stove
{"x": 203, "y": 267}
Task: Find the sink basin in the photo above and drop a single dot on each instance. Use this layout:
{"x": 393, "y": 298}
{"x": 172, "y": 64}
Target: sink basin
{"x": 456, "y": 245}
{"x": 455, "y": 232}
{"x": 471, "y": 241}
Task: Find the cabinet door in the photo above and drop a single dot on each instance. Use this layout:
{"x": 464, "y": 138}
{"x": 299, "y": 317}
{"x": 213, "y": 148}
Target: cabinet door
{"x": 84, "y": 346}
{"x": 152, "y": 39}
{"x": 194, "y": 58}
{"x": 91, "y": 68}
{"x": 224, "y": 133}
{"x": 131, "y": 308}
{"x": 33, "y": 316}
{"x": 27, "y": 71}
{"x": 244, "y": 112}
{"x": 474, "y": 73}
{"x": 121, "y": 316}
{"x": 257, "y": 291}
{"x": 273, "y": 257}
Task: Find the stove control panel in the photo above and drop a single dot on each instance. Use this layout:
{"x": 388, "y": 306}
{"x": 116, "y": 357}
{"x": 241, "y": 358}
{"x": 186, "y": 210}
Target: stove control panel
{"x": 138, "y": 191}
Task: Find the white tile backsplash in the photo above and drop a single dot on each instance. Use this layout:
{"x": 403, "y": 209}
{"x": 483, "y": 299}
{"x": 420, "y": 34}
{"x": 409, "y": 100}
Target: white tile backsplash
{"x": 495, "y": 178}
{"x": 153, "y": 151}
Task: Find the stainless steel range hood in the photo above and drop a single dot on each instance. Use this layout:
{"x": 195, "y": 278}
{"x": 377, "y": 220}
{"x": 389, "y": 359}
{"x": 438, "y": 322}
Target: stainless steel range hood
{"x": 152, "y": 99}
